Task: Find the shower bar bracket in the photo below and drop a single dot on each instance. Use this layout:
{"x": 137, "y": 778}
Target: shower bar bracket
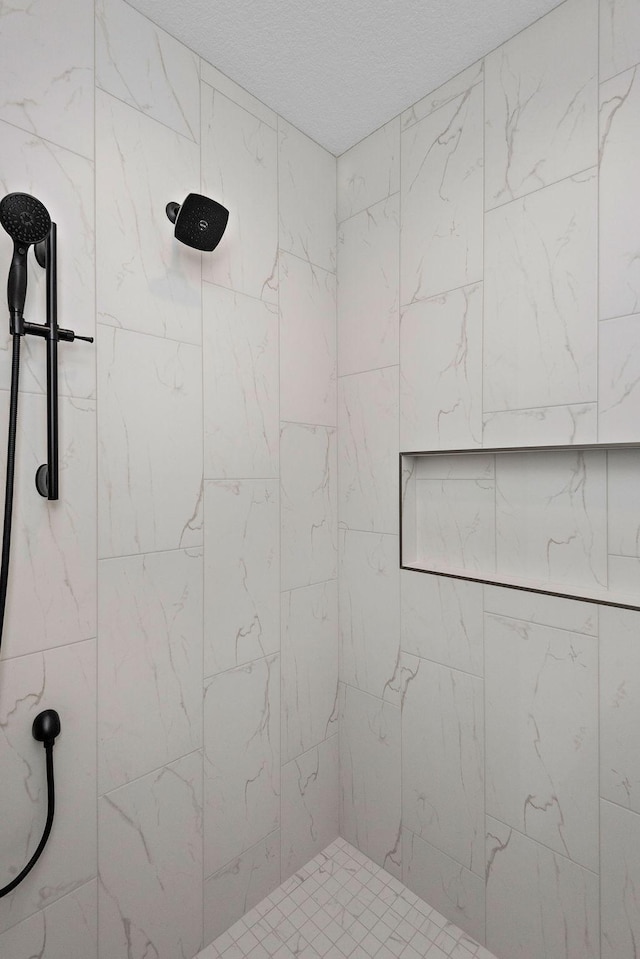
{"x": 46, "y": 253}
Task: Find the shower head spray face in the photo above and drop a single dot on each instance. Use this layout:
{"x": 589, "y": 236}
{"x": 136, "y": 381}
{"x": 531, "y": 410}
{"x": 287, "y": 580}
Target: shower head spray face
{"x": 200, "y": 221}
{"x": 24, "y": 218}
{"x": 26, "y": 221}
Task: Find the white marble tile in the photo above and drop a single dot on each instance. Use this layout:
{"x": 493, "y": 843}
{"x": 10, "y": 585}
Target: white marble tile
{"x": 47, "y": 67}
{"x": 619, "y": 380}
{"x": 309, "y": 668}
{"x": 441, "y": 199}
{"x": 439, "y": 97}
{"x": 150, "y": 837}
{"x": 619, "y": 881}
{"x": 139, "y": 63}
{"x": 538, "y": 903}
{"x": 619, "y": 36}
{"x": 241, "y": 572}
{"x": 63, "y": 679}
{"x": 544, "y": 425}
{"x": 370, "y": 803}
{"x": 442, "y": 620}
{"x": 368, "y": 294}
{"x": 308, "y": 493}
{"x": 619, "y": 706}
{"x": 542, "y": 609}
{"x": 442, "y": 729}
{"x": 619, "y": 195}
{"x": 150, "y": 443}
{"x": 240, "y": 170}
{"x": 309, "y": 805}
{"x": 455, "y": 523}
{"x": 307, "y": 197}
{"x": 63, "y": 181}
{"x": 449, "y": 887}
{"x": 368, "y": 444}
{"x": 240, "y": 369}
{"x": 370, "y": 613}
{"x": 52, "y": 576}
{"x": 551, "y": 517}
{"x": 233, "y": 91}
{"x": 624, "y": 575}
{"x": 541, "y": 121}
{"x": 624, "y": 502}
{"x": 409, "y": 512}
{"x": 370, "y": 170}
{"x": 307, "y": 342}
{"x": 540, "y": 318}
{"x": 67, "y": 929}
{"x": 242, "y": 760}
{"x": 147, "y": 280}
{"x": 240, "y": 886}
{"x": 149, "y": 663}
{"x": 455, "y": 466}
{"x": 542, "y": 734}
{"x": 441, "y": 372}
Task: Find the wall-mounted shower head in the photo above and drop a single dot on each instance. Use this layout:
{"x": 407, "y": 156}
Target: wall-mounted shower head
{"x": 26, "y": 221}
{"x": 200, "y": 222}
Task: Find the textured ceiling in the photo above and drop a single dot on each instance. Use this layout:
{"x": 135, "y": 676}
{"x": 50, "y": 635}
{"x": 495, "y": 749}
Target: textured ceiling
{"x": 338, "y": 69}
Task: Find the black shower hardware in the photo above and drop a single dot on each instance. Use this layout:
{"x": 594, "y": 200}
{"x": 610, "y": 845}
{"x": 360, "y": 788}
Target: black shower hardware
{"x": 28, "y": 223}
{"x": 45, "y": 729}
{"x": 200, "y": 221}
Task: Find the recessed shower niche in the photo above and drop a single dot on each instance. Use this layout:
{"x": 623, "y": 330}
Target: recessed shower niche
{"x": 554, "y": 519}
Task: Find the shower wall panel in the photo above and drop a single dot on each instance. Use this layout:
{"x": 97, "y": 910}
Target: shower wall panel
{"x": 518, "y": 325}
{"x": 147, "y": 605}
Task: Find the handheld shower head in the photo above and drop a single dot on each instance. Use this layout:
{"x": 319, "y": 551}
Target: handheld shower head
{"x": 200, "y": 221}
{"x": 26, "y": 221}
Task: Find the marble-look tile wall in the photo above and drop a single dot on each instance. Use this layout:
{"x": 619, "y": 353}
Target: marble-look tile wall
{"x": 183, "y": 619}
{"x": 488, "y": 295}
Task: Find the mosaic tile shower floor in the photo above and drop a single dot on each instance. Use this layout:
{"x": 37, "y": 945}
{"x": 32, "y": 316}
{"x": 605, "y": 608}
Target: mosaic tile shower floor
{"x": 341, "y": 905}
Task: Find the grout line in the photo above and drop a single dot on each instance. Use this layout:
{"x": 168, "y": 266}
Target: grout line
{"x": 143, "y": 113}
{"x": 310, "y": 749}
{"x": 97, "y": 475}
{"x": 149, "y": 772}
{"x": 367, "y": 209}
{"x": 623, "y": 316}
{"x": 614, "y": 76}
{"x": 204, "y": 525}
{"x": 233, "y": 100}
{"x": 303, "y": 259}
{"x": 278, "y": 598}
{"x": 606, "y": 475}
{"x": 59, "y": 146}
{"x": 546, "y": 186}
{"x": 271, "y": 304}
{"x": 118, "y": 328}
{"x": 209, "y": 677}
{"x": 423, "y": 300}
{"x": 548, "y": 406}
{"x": 244, "y": 852}
{"x": 370, "y": 369}
{"x": 151, "y": 552}
{"x": 618, "y": 805}
{"x": 337, "y": 704}
{"x": 543, "y": 845}
{"x": 533, "y": 622}
{"x": 309, "y": 426}
{"x": 403, "y": 870}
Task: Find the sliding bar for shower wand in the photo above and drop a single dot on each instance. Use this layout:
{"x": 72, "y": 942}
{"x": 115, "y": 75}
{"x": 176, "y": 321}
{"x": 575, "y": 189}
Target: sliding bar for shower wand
{"x": 47, "y": 256}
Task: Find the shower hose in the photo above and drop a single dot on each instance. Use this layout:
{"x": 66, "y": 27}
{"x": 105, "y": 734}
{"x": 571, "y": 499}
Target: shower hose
{"x": 4, "y": 579}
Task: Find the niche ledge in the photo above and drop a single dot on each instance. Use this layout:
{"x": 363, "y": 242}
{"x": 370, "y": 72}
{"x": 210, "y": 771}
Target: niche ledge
{"x": 558, "y": 520}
